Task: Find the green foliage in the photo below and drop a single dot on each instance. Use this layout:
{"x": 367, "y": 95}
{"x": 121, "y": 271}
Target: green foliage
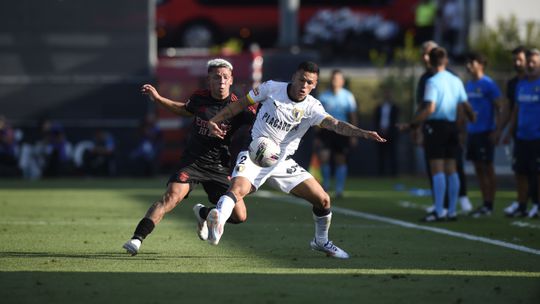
{"x": 496, "y": 43}
{"x": 397, "y": 77}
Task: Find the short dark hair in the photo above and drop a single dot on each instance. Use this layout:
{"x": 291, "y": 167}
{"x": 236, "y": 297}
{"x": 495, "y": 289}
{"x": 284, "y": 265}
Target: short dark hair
{"x": 308, "y": 66}
{"x": 437, "y": 57}
{"x": 336, "y": 71}
{"x": 519, "y": 49}
{"x": 532, "y": 52}
{"x": 474, "y": 56}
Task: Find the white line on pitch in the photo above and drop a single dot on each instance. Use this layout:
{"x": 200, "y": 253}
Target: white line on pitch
{"x": 369, "y": 216}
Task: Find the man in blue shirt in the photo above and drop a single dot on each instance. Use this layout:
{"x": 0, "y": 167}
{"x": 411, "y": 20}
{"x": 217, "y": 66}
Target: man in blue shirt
{"x": 520, "y": 66}
{"x": 341, "y": 104}
{"x": 443, "y": 96}
{"x": 418, "y": 137}
{"x": 485, "y": 98}
{"x": 526, "y": 124}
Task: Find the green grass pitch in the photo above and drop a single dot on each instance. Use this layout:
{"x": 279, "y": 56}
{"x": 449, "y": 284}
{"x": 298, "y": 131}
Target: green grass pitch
{"x": 60, "y": 242}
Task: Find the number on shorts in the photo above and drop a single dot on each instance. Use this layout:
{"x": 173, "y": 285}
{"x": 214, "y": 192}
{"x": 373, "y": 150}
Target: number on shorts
{"x": 242, "y": 160}
{"x": 292, "y": 169}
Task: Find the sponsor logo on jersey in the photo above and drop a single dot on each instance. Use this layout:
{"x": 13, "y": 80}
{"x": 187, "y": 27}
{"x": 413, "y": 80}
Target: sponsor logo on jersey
{"x": 256, "y": 91}
{"x": 524, "y": 97}
{"x": 202, "y": 126}
{"x": 276, "y": 123}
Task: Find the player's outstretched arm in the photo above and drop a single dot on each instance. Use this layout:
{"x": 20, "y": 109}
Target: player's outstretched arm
{"x": 346, "y": 129}
{"x": 176, "y": 107}
{"x": 231, "y": 110}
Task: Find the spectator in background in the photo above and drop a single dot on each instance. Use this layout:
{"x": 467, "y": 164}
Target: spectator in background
{"x": 425, "y": 13}
{"x": 451, "y": 25}
{"x": 341, "y": 104}
{"x": 145, "y": 156}
{"x": 9, "y": 150}
{"x": 483, "y": 135}
{"x": 444, "y": 97}
{"x": 99, "y": 159}
{"x": 54, "y": 150}
{"x": 51, "y": 155}
{"x": 520, "y": 66}
{"x": 386, "y": 116}
{"x": 526, "y": 125}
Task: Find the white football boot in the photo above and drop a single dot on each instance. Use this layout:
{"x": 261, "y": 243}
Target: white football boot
{"x": 202, "y": 228}
{"x": 430, "y": 209}
{"x": 215, "y": 228}
{"x": 330, "y": 249}
{"x": 465, "y": 204}
{"x": 533, "y": 213}
{"x": 511, "y": 209}
{"x": 132, "y": 246}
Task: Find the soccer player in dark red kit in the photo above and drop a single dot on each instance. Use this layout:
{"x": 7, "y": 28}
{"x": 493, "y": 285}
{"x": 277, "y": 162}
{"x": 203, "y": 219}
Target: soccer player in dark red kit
{"x": 206, "y": 161}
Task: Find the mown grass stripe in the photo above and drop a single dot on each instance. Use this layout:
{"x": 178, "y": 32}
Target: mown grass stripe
{"x": 359, "y": 271}
{"x": 369, "y": 216}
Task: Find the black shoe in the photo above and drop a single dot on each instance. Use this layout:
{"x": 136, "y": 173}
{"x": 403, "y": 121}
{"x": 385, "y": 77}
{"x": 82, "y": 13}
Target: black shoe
{"x": 431, "y": 218}
{"x": 481, "y": 212}
{"x": 518, "y": 213}
{"x": 451, "y": 218}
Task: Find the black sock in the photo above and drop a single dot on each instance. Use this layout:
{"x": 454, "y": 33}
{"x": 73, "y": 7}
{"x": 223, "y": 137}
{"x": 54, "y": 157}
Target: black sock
{"x": 231, "y": 220}
{"x": 144, "y": 228}
{"x": 522, "y": 207}
{"x": 321, "y": 212}
{"x": 203, "y": 212}
{"x": 489, "y": 205}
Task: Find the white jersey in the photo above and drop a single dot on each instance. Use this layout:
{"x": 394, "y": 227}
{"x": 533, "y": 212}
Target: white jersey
{"x": 281, "y": 119}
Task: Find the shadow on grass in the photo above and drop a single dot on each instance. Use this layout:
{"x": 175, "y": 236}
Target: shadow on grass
{"x": 106, "y": 256}
{"x": 99, "y": 287}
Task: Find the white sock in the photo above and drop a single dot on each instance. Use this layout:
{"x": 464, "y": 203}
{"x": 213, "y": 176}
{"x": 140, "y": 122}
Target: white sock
{"x": 322, "y": 225}
{"x": 225, "y": 207}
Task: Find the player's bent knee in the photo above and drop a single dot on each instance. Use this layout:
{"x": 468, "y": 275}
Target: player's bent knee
{"x": 323, "y": 209}
{"x": 326, "y": 201}
{"x": 323, "y": 202}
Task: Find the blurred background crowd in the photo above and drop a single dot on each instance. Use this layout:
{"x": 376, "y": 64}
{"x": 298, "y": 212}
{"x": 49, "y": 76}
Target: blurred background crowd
{"x": 71, "y": 71}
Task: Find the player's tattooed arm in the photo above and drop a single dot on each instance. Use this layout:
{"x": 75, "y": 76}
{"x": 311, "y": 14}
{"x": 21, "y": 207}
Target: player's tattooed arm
{"x": 346, "y": 129}
{"x": 231, "y": 110}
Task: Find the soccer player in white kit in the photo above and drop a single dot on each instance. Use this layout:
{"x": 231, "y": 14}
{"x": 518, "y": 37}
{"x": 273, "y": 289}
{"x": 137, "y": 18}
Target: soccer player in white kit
{"x": 287, "y": 111}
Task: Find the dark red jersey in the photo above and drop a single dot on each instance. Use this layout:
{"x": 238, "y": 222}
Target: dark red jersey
{"x": 202, "y": 147}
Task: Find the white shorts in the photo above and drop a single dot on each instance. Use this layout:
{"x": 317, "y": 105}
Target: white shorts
{"x": 285, "y": 175}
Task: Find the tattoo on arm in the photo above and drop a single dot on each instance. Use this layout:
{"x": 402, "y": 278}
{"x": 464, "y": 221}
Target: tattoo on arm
{"x": 341, "y": 127}
{"x": 229, "y": 114}
{"x": 231, "y": 110}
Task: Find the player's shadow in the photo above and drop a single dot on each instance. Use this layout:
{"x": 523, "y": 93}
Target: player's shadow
{"x": 102, "y": 256}
{"x": 285, "y": 242}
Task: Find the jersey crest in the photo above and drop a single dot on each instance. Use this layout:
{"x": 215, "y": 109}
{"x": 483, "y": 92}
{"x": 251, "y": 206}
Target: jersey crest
{"x": 297, "y": 114}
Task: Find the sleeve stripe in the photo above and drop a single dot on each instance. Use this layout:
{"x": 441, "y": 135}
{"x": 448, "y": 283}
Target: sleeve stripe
{"x": 250, "y": 99}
